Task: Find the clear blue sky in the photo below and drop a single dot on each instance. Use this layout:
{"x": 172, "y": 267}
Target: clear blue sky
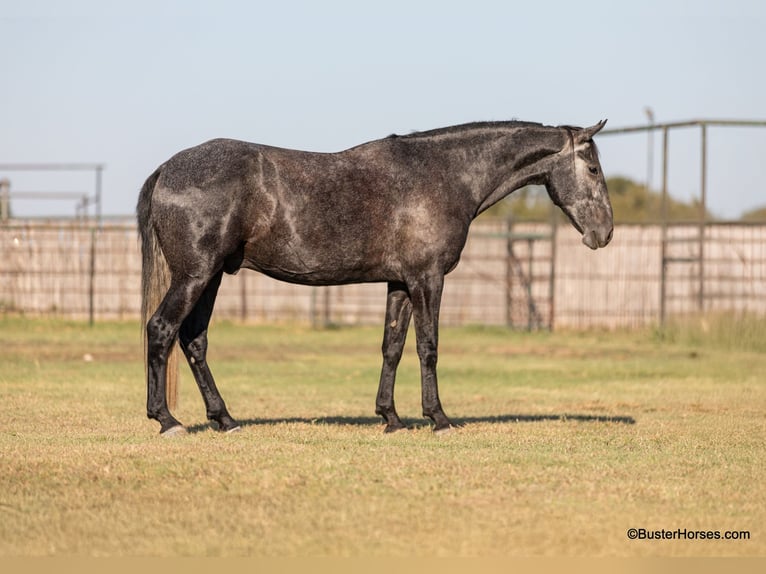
{"x": 131, "y": 83}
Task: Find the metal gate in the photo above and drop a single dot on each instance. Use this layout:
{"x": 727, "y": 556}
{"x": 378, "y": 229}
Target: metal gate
{"x": 530, "y": 275}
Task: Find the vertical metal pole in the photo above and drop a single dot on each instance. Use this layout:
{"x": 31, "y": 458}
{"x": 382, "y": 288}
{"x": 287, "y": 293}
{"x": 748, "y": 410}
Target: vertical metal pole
{"x": 650, "y": 148}
{"x": 703, "y": 217}
{"x": 313, "y": 307}
{"x": 243, "y": 297}
{"x": 530, "y": 278}
{"x": 92, "y": 279}
{"x": 664, "y": 217}
{"x": 509, "y": 274}
{"x": 99, "y": 169}
{"x": 552, "y": 276}
{"x": 5, "y": 199}
{"x": 326, "y": 307}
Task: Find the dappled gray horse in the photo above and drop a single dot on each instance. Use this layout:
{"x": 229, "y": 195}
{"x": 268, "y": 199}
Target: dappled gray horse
{"x": 395, "y": 210}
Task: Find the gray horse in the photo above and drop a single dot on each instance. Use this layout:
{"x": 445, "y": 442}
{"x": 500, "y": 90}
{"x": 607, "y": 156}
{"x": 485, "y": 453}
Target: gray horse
{"x": 395, "y": 210}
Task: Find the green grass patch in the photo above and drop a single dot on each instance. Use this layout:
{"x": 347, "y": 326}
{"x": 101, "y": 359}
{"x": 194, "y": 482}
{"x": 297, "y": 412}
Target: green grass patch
{"x": 732, "y": 331}
{"x": 568, "y": 440}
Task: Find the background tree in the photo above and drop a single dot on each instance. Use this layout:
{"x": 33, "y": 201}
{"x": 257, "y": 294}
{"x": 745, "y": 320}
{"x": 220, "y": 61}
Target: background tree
{"x": 758, "y": 215}
{"x": 632, "y": 202}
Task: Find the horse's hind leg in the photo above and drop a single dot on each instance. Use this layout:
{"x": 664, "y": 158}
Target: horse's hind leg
{"x": 193, "y": 338}
{"x": 161, "y": 332}
{"x": 398, "y": 313}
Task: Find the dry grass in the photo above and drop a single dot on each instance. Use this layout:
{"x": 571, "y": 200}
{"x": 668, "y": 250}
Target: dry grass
{"x": 568, "y": 441}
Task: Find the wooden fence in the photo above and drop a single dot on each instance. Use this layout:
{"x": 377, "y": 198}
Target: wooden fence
{"x": 69, "y": 269}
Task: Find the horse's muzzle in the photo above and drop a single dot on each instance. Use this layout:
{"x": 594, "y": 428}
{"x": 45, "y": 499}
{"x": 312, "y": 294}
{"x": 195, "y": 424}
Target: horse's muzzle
{"x": 595, "y": 238}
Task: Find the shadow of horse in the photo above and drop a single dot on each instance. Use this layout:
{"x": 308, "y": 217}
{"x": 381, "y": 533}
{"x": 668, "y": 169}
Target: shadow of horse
{"x": 413, "y": 423}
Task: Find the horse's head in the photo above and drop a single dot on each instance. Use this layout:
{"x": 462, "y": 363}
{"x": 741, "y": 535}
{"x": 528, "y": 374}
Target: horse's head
{"x": 576, "y": 184}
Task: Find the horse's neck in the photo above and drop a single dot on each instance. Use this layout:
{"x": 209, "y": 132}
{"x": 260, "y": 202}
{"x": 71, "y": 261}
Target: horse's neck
{"x": 491, "y": 160}
{"x": 518, "y": 160}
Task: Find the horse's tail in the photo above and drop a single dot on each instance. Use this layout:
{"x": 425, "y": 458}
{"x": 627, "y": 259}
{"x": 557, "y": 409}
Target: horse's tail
{"x": 155, "y": 281}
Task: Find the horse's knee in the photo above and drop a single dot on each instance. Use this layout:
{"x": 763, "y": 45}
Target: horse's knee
{"x": 392, "y": 354}
{"x": 427, "y": 353}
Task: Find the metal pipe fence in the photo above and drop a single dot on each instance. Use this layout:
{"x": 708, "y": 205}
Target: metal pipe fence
{"x": 527, "y": 277}
{"x": 85, "y": 199}
{"x": 695, "y": 259}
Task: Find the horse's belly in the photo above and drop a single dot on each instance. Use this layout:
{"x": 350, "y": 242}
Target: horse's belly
{"x": 311, "y": 267}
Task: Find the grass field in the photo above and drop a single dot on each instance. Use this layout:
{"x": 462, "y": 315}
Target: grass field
{"x": 568, "y": 441}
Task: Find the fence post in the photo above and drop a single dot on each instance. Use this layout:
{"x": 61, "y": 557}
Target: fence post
{"x": 552, "y": 273}
{"x": 530, "y": 295}
{"x": 92, "y": 279}
{"x": 243, "y": 297}
{"x": 664, "y": 229}
{"x": 5, "y": 199}
{"x": 509, "y": 273}
{"x": 327, "y": 313}
{"x": 313, "y": 307}
{"x": 703, "y": 217}
{"x": 320, "y": 311}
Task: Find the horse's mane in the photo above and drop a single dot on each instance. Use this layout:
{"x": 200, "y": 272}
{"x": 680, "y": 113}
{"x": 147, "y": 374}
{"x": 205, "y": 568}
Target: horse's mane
{"x": 462, "y": 128}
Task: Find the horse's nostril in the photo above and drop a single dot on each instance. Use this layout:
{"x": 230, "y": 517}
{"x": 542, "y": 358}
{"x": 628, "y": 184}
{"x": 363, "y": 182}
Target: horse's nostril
{"x": 590, "y": 239}
{"x": 609, "y": 237}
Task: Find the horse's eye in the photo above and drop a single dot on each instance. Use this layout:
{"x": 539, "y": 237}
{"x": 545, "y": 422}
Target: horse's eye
{"x": 593, "y": 170}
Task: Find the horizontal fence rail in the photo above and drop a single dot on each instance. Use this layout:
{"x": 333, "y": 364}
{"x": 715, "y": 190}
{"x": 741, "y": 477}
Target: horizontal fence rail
{"x": 541, "y": 279}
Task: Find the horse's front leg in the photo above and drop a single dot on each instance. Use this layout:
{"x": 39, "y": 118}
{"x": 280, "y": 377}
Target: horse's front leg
{"x": 398, "y": 313}
{"x": 426, "y": 300}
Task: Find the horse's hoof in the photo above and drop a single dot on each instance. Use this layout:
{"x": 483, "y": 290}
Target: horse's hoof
{"x": 177, "y": 430}
{"x": 227, "y": 426}
{"x": 390, "y": 429}
{"x": 445, "y": 430}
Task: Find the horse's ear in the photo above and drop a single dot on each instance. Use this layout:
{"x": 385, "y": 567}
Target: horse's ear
{"x": 586, "y": 134}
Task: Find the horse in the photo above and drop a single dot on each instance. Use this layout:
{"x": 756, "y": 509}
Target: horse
{"x": 394, "y": 210}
